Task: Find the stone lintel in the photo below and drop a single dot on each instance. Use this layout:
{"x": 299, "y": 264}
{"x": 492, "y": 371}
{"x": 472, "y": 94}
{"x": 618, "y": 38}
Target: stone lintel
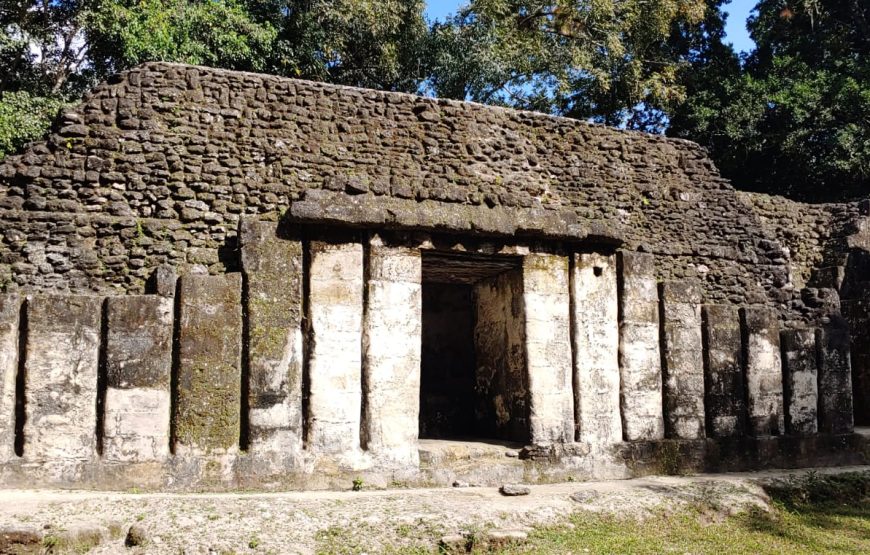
{"x": 379, "y": 212}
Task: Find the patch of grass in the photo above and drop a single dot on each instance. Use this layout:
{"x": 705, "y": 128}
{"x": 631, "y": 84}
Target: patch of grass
{"x": 813, "y": 514}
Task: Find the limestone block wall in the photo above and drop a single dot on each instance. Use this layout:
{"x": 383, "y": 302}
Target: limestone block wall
{"x": 306, "y": 366}
{"x": 158, "y": 165}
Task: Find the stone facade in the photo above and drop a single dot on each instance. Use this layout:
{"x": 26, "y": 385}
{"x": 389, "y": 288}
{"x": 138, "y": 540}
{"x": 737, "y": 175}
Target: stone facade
{"x": 219, "y": 279}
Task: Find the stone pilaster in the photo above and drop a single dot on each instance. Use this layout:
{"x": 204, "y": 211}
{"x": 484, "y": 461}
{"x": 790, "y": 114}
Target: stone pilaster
{"x": 596, "y": 350}
{"x": 391, "y": 345}
{"x": 60, "y": 388}
{"x": 764, "y": 399}
{"x": 724, "y": 400}
{"x": 683, "y": 370}
{"x": 548, "y": 347}
{"x": 208, "y": 407}
{"x": 272, "y": 267}
{"x": 800, "y": 381}
{"x": 639, "y": 356}
{"x": 138, "y": 370}
{"x": 835, "y": 380}
{"x": 10, "y": 316}
{"x": 335, "y": 355}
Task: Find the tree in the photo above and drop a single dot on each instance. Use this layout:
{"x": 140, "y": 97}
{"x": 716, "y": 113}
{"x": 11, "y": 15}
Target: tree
{"x": 605, "y": 60}
{"x": 56, "y": 49}
{"x": 376, "y": 44}
{"x": 795, "y": 119}
{"x": 123, "y": 33}
{"x": 24, "y": 118}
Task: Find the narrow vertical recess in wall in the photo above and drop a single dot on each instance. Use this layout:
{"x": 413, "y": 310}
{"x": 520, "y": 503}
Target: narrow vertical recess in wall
{"x": 176, "y": 366}
{"x": 245, "y": 402}
{"x": 705, "y": 359}
{"x": 572, "y": 329}
{"x": 307, "y": 339}
{"x": 364, "y": 382}
{"x": 817, "y": 352}
{"x": 102, "y": 375}
{"x": 743, "y": 417}
{"x": 20, "y": 398}
{"x": 620, "y": 314}
{"x": 663, "y": 345}
{"x": 786, "y": 382}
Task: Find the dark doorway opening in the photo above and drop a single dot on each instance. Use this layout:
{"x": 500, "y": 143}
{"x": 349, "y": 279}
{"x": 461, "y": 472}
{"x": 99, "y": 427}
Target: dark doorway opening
{"x": 474, "y": 383}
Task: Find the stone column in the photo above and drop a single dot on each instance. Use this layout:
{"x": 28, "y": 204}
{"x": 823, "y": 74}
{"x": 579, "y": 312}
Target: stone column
{"x": 683, "y": 370}
{"x": 272, "y": 266}
{"x": 724, "y": 400}
{"x": 60, "y": 388}
{"x": 835, "y": 380}
{"x": 335, "y": 356}
{"x": 639, "y": 356}
{"x": 10, "y": 314}
{"x": 392, "y": 345}
{"x": 596, "y": 350}
{"x": 138, "y": 370}
{"x": 800, "y": 381}
{"x": 764, "y": 400}
{"x": 209, "y": 366}
{"x": 548, "y": 348}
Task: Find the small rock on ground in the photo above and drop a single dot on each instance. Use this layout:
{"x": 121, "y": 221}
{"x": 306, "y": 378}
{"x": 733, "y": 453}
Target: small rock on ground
{"x": 514, "y": 489}
{"x": 135, "y": 536}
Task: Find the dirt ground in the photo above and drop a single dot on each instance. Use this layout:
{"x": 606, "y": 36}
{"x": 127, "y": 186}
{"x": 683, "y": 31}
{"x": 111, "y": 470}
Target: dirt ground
{"x": 347, "y": 521}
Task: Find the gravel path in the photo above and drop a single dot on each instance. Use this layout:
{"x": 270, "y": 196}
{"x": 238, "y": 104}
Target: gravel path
{"x": 355, "y": 522}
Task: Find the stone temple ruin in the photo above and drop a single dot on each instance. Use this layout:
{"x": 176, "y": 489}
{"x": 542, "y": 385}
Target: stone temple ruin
{"x": 217, "y": 279}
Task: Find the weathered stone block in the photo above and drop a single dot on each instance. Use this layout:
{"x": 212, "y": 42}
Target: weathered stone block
{"x": 683, "y": 370}
{"x": 835, "y": 380}
{"x": 724, "y": 403}
{"x": 596, "y": 348}
{"x": 60, "y": 388}
{"x": 639, "y": 355}
{"x": 764, "y": 398}
{"x": 10, "y": 315}
{"x": 209, "y": 364}
{"x": 800, "y": 381}
{"x": 548, "y": 347}
{"x": 138, "y": 370}
{"x": 335, "y": 358}
{"x": 391, "y": 351}
{"x": 272, "y": 265}
{"x": 502, "y": 382}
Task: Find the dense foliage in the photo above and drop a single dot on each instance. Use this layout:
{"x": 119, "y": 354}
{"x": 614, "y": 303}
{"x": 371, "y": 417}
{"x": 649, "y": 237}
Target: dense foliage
{"x": 789, "y": 118}
{"x": 795, "y": 118}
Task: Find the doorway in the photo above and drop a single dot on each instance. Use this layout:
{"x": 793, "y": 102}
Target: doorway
{"x": 474, "y": 382}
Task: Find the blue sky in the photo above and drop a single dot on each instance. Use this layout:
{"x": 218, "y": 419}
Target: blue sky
{"x": 738, "y": 11}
